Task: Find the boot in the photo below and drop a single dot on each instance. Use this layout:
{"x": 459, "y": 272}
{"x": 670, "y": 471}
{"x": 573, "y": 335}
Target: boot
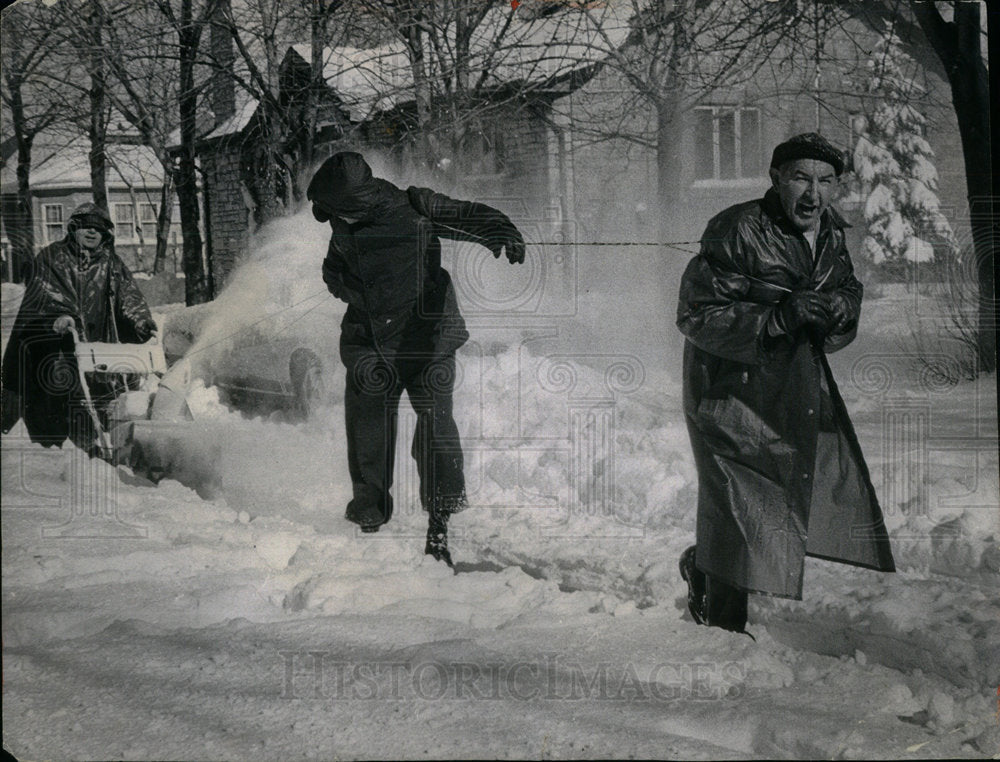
{"x": 367, "y": 516}
{"x": 697, "y": 598}
{"x": 437, "y": 537}
{"x": 711, "y": 601}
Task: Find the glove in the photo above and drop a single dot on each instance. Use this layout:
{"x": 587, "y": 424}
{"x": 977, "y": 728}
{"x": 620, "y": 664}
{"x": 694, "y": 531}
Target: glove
{"x": 145, "y": 330}
{"x": 11, "y": 414}
{"x": 841, "y": 314}
{"x": 63, "y": 324}
{"x": 510, "y": 243}
{"x": 802, "y": 309}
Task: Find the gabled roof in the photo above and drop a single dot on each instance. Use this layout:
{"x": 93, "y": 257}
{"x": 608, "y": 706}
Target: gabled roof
{"x": 235, "y": 123}
{"x": 532, "y": 52}
{"x": 246, "y": 105}
{"x": 68, "y": 167}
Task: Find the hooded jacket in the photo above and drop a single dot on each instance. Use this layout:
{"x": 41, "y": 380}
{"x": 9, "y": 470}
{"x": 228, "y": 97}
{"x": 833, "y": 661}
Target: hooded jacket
{"x": 97, "y": 290}
{"x": 386, "y": 263}
{"x": 780, "y": 471}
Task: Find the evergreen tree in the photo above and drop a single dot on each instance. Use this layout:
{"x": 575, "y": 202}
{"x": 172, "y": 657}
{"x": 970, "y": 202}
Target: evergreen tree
{"x": 895, "y": 163}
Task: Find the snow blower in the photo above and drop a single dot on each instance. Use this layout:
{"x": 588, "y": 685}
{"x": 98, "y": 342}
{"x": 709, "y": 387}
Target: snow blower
{"x": 134, "y": 387}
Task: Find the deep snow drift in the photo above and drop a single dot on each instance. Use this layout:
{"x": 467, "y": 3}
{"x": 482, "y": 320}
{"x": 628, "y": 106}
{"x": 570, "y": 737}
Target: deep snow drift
{"x": 145, "y": 621}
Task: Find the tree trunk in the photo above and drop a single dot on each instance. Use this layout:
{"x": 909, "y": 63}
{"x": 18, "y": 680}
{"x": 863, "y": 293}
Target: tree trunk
{"x": 163, "y": 218}
{"x": 957, "y": 44}
{"x": 21, "y": 229}
{"x": 264, "y": 177}
{"x": 670, "y": 162}
{"x": 426, "y": 153}
{"x": 196, "y": 287}
{"x": 317, "y": 37}
{"x": 98, "y": 118}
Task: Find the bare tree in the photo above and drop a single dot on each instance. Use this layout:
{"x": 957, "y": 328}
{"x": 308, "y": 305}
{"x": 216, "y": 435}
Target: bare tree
{"x": 320, "y": 12}
{"x": 83, "y": 33}
{"x": 958, "y": 44}
{"x": 28, "y": 31}
{"x": 677, "y": 54}
{"x": 470, "y": 64}
{"x": 188, "y": 23}
{"x": 143, "y": 87}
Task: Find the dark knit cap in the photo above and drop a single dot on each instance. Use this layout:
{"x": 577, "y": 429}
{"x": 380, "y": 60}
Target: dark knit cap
{"x": 342, "y": 185}
{"x": 808, "y": 145}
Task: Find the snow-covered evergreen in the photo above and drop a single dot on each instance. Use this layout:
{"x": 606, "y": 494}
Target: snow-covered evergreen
{"x": 895, "y": 163}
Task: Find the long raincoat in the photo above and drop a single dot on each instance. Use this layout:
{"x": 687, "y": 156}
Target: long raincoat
{"x": 97, "y": 290}
{"x": 780, "y": 471}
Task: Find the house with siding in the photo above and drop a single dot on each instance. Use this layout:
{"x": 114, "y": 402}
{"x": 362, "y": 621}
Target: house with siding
{"x": 514, "y": 155}
{"x": 60, "y": 181}
{"x": 726, "y": 137}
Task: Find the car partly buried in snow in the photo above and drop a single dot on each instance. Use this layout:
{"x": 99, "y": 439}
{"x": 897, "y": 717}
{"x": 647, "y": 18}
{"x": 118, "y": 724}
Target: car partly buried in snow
{"x": 261, "y": 360}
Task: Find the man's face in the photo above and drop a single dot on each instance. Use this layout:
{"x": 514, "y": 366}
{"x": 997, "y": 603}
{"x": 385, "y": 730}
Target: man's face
{"x": 806, "y": 188}
{"x": 88, "y": 238}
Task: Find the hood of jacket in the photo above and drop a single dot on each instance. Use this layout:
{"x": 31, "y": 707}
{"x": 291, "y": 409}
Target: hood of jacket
{"x": 344, "y": 186}
{"x": 90, "y": 215}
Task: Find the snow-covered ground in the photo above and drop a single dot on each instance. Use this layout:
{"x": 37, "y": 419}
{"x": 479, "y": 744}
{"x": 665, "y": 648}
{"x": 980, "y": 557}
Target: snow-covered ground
{"x": 233, "y": 613}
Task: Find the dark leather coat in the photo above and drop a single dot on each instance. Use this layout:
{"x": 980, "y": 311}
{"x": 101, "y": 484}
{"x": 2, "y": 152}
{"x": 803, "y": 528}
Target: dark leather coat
{"x": 780, "y": 471}
{"x": 387, "y": 267}
{"x": 97, "y": 290}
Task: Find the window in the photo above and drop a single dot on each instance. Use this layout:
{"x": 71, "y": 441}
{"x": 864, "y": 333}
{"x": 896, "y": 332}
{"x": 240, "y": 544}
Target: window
{"x": 53, "y": 215}
{"x": 147, "y": 219}
{"x": 727, "y": 143}
{"x": 124, "y": 222}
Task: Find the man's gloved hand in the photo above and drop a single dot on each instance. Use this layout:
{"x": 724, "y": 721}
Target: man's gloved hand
{"x": 841, "y": 314}
{"x": 11, "y": 413}
{"x": 804, "y": 308}
{"x": 145, "y": 330}
{"x": 63, "y": 324}
{"x": 512, "y": 243}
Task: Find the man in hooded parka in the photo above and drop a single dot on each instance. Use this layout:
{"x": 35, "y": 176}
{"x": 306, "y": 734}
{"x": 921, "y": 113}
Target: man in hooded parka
{"x": 780, "y": 472}
{"x": 401, "y": 329}
{"x": 76, "y": 282}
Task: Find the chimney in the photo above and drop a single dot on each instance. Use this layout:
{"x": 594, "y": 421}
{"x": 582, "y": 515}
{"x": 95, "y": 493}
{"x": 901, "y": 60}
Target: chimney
{"x": 223, "y": 86}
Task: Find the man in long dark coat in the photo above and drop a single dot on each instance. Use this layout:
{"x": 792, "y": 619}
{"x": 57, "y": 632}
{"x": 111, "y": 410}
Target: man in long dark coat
{"x": 76, "y": 282}
{"x": 401, "y": 329}
{"x": 780, "y": 472}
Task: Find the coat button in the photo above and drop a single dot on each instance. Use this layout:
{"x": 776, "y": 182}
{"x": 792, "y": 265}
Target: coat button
{"x": 809, "y": 411}
{"x": 805, "y": 476}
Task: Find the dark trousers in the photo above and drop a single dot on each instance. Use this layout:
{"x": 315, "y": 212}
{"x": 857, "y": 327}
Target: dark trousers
{"x": 373, "y": 387}
{"x": 727, "y": 605}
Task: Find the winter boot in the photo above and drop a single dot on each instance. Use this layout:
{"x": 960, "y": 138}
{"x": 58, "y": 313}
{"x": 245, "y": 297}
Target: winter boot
{"x": 697, "y": 599}
{"x": 711, "y": 601}
{"x": 367, "y": 516}
{"x": 437, "y": 537}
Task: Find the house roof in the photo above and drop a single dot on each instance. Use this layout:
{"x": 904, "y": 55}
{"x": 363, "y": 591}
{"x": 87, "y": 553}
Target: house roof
{"x": 533, "y": 51}
{"x": 240, "y": 118}
{"x": 68, "y": 167}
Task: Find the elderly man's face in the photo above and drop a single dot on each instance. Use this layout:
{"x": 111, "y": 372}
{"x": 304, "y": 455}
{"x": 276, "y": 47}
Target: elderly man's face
{"x": 806, "y": 188}
{"x": 88, "y": 238}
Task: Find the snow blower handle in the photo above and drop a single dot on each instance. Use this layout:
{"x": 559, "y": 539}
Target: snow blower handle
{"x": 62, "y": 325}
